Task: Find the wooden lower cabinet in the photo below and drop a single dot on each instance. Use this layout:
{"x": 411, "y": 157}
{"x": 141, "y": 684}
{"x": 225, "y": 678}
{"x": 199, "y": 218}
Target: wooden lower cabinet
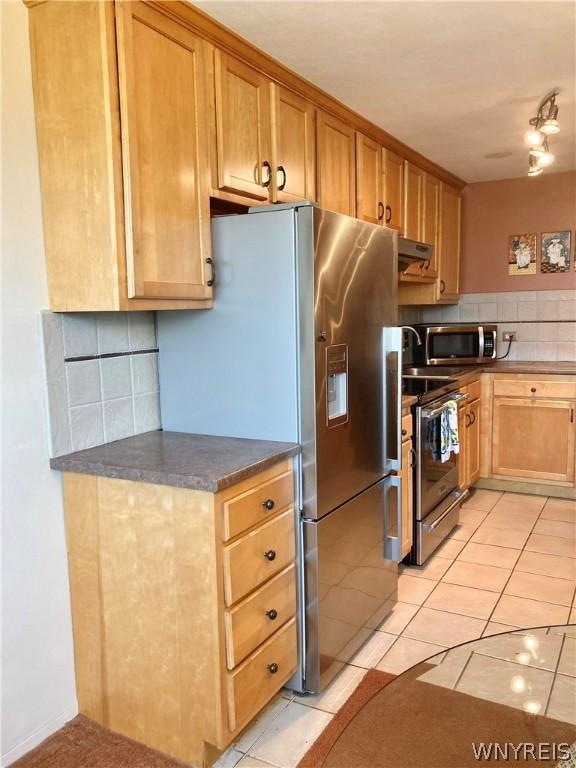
{"x": 469, "y": 414}
{"x": 161, "y": 656}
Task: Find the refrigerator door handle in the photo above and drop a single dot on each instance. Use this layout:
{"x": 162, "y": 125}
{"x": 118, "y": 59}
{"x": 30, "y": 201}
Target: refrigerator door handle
{"x": 393, "y": 527}
{"x": 392, "y": 397}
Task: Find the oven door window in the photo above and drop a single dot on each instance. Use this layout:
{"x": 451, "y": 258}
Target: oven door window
{"x": 437, "y": 478}
{"x": 454, "y": 345}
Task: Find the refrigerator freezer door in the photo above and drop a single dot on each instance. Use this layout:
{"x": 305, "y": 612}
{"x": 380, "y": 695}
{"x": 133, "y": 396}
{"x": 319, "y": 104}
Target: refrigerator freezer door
{"x": 350, "y": 587}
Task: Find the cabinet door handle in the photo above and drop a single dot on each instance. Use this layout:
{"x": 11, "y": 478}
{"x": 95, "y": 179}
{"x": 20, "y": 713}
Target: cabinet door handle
{"x": 270, "y": 555}
{"x": 272, "y": 668}
{"x": 426, "y": 264}
{"x": 266, "y": 181}
{"x": 212, "y": 280}
{"x": 380, "y": 211}
{"x": 404, "y": 433}
{"x": 468, "y": 420}
{"x": 283, "y": 172}
{"x": 442, "y": 286}
{"x": 268, "y": 504}
{"x": 272, "y": 614}
{"x": 388, "y": 214}
{"x": 533, "y": 390}
{"x": 412, "y": 458}
{"x": 571, "y": 415}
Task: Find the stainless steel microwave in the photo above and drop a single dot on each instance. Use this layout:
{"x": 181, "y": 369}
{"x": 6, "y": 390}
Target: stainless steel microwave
{"x": 449, "y": 344}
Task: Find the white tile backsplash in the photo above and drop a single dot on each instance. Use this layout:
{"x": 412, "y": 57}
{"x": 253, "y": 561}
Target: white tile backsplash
{"x": 106, "y": 397}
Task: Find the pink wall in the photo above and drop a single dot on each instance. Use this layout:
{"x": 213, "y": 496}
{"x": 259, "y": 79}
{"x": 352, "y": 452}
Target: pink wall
{"x": 493, "y": 210}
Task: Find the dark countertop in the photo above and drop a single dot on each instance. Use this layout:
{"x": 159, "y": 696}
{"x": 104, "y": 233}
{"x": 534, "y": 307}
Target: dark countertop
{"x": 180, "y": 459}
{"x": 566, "y": 368}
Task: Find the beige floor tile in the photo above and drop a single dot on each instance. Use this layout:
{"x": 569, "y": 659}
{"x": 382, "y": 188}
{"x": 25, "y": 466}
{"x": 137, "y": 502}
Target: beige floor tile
{"x": 466, "y": 601}
{"x": 414, "y": 590}
{"x": 450, "y": 549}
{"x": 479, "y": 576}
{"x": 437, "y": 659}
{"x": 500, "y": 537}
{"x": 559, "y": 509}
{"x": 443, "y": 628}
{"x": 482, "y": 499}
{"x": 563, "y": 629}
{"x": 562, "y": 704}
{"x": 405, "y": 653}
{"x": 572, "y": 619}
{"x": 510, "y": 519}
{"x": 372, "y": 650}
{"x": 252, "y": 762}
{"x": 229, "y": 759}
{"x": 528, "y": 613}
{"x": 551, "y": 545}
{"x": 528, "y": 650}
{"x": 493, "y": 628}
{"x": 397, "y": 620}
{"x": 556, "y": 528}
{"x": 524, "y": 501}
{"x": 538, "y": 587}
{"x": 567, "y": 664}
{"x": 487, "y": 554}
{"x": 506, "y": 683}
{"x": 447, "y": 673}
{"x": 290, "y": 735}
{"x": 547, "y": 565}
{"x": 257, "y": 727}
{"x": 340, "y": 689}
{"x": 434, "y": 568}
{"x": 462, "y": 532}
{"x": 471, "y": 516}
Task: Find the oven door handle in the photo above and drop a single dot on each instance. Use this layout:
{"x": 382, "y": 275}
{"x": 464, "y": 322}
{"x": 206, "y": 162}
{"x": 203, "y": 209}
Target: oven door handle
{"x": 428, "y": 528}
{"x": 392, "y": 398}
{"x": 437, "y": 411}
{"x": 393, "y": 543}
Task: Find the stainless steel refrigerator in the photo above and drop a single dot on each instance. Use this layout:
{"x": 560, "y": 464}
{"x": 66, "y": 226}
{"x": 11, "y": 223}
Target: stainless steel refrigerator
{"x": 300, "y": 346}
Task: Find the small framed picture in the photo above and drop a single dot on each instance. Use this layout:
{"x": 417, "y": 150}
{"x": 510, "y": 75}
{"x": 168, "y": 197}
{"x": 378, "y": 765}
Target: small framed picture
{"x": 555, "y": 252}
{"x": 522, "y": 254}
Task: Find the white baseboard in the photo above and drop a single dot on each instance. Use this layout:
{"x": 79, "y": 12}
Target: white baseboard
{"x": 38, "y": 736}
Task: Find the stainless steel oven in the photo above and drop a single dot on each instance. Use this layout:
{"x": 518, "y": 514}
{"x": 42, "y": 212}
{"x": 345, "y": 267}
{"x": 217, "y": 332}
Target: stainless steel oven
{"x": 450, "y": 344}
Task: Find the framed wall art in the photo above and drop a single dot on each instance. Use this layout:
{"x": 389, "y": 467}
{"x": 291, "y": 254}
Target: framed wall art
{"x": 522, "y": 254}
{"x": 555, "y": 252}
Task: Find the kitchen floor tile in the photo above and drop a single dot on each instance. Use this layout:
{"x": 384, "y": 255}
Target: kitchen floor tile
{"x": 493, "y": 628}
{"x": 414, "y": 590}
{"x": 471, "y": 516}
{"x": 559, "y": 509}
{"x": 290, "y": 736}
{"x": 462, "y": 532}
{"x": 450, "y": 549}
{"x": 506, "y": 683}
{"x": 228, "y": 759}
{"x": 511, "y": 519}
{"x": 567, "y": 664}
{"x": 529, "y": 613}
{"x": 562, "y": 704}
{"x": 434, "y": 568}
{"x": 524, "y": 501}
{"x": 405, "y": 653}
{"x": 372, "y": 651}
{"x": 547, "y": 565}
{"x": 537, "y": 587}
{"x": 252, "y": 762}
{"x": 487, "y": 554}
{"x": 444, "y": 628}
{"x": 341, "y": 688}
{"x": 556, "y": 528}
{"x": 500, "y": 537}
{"x": 399, "y": 617}
{"x": 475, "y": 575}
{"x": 447, "y": 673}
{"x": 563, "y": 629}
{"x": 572, "y": 618}
{"x": 482, "y": 499}
{"x": 528, "y": 650}
{"x": 466, "y": 601}
{"x": 260, "y": 724}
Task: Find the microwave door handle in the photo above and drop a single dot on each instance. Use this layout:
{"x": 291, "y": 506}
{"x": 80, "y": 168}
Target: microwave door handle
{"x": 392, "y": 397}
{"x": 480, "y": 343}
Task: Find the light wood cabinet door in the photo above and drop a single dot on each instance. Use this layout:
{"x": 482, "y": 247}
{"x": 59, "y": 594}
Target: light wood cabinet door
{"x": 243, "y": 129}
{"x": 463, "y": 418}
{"x": 407, "y": 497}
{"x": 449, "y": 244}
{"x": 393, "y": 168}
{"x": 369, "y": 180}
{"x": 473, "y": 443}
{"x": 165, "y": 148}
{"x": 293, "y": 146}
{"x": 431, "y": 220}
{"x": 413, "y": 200}
{"x": 336, "y": 171}
{"x": 533, "y": 438}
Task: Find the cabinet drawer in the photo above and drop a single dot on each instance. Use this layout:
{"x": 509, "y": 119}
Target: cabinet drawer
{"x": 255, "y": 619}
{"x": 406, "y": 427}
{"x": 246, "y": 564}
{"x": 253, "y": 684}
{"x": 535, "y": 388}
{"x": 257, "y": 504}
{"x": 474, "y": 390}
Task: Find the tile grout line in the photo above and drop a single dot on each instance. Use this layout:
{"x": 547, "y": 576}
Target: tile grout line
{"x": 555, "y": 673}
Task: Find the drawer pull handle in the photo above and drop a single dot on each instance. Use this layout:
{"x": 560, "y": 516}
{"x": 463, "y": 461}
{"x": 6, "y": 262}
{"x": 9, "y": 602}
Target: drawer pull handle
{"x": 270, "y": 555}
{"x": 404, "y": 433}
{"x": 272, "y": 614}
{"x": 533, "y": 390}
{"x": 272, "y": 668}
{"x": 268, "y": 504}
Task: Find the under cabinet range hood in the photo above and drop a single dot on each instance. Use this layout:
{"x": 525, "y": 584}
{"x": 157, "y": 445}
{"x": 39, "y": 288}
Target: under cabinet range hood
{"x": 412, "y": 252}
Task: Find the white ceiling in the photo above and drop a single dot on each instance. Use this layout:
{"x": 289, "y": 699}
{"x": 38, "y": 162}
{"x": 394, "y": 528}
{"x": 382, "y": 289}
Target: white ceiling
{"x": 455, "y": 80}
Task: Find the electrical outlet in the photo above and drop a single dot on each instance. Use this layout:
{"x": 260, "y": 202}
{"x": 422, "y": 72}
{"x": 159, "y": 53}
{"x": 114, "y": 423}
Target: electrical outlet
{"x": 508, "y": 335}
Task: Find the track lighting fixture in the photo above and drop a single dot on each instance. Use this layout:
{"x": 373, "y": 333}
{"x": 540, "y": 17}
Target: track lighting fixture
{"x": 543, "y": 125}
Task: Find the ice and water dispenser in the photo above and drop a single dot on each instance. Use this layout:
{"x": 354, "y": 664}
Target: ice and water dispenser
{"x": 336, "y": 384}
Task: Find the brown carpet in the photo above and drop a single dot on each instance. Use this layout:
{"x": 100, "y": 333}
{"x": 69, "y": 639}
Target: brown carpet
{"x": 82, "y": 743}
{"x": 405, "y": 723}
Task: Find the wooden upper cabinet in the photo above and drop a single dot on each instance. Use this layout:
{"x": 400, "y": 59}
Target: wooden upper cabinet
{"x": 449, "y": 244}
{"x": 369, "y": 180}
{"x": 165, "y": 155}
{"x": 393, "y": 169}
{"x": 430, "y": 227}
{"x": 293, "y": 146}
{"x": 413, "y": 201}
{"x": 336, "y": 172}
{"x": 243, "y": 129}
